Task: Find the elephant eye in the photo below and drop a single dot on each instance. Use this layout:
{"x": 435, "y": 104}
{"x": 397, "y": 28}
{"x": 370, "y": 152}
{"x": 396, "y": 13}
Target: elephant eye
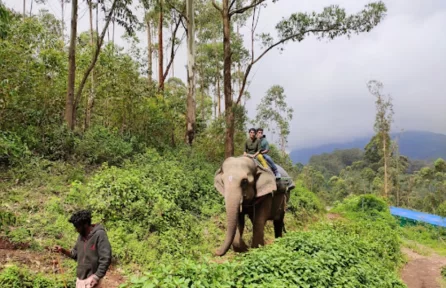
{"x": 244, "y": 182}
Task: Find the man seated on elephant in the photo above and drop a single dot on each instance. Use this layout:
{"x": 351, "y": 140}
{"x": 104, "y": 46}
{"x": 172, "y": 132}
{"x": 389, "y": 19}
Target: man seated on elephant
{"x": 252, "y": 148}
{"x": 252, "y": 144}
{"x": 264, "y": 149}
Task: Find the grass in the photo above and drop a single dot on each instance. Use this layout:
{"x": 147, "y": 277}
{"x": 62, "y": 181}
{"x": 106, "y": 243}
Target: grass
{"x": 429, "y": 236}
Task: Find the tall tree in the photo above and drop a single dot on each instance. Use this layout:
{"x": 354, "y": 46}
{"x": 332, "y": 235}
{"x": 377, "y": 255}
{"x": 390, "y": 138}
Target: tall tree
{"x": 70, "y": 107}
{"x": 332, "y": 22}
{"x": 90, "y": 98}
{"x": 118, "y": 10}
{"x": 274, "y": 114}
{"x": 190, "y": 114}
{"x": 383, "y": 121}
{"x": 149, "y": 50}
{"x": 160, "y": 46}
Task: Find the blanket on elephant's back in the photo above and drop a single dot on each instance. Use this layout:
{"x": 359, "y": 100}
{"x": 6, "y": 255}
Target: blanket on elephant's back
{"x": 285, "y": 179}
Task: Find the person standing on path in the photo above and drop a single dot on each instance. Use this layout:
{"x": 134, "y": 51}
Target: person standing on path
{"x": 92, "y": 251}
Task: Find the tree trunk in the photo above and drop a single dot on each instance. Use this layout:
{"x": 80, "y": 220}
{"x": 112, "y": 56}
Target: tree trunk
{"x": 149, "y": 51}
{"x": 160, "y": 48}
{"x": 219, "y": 96}
{"x": 191, "y": 105}
{"x": 229, "y": 113}
{"x": 69, "y": 107}
{"x": 95, "y": 56}
{"x": 385, "y": 167}
{"x": 202, "y": 98}
{"x": 24, "y": 9}
{"x": 62, "y": 3}
{"x": 91, "y": 97}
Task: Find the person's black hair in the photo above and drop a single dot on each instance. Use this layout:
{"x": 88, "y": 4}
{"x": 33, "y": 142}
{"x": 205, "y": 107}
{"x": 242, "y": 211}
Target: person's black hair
{"x": 80, "y": 218}
{"x": 259, "y": 129}
{"x": 253, "y": 129}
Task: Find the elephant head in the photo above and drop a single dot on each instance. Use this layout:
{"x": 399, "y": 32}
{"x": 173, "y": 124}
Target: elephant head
{"x": 240, "y": 179}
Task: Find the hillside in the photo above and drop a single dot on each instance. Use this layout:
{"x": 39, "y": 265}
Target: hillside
{"x": 417, "y": 145}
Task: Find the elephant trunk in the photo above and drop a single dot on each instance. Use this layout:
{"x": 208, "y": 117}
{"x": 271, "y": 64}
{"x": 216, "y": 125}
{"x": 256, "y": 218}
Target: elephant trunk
{"x": 232, "y": 214}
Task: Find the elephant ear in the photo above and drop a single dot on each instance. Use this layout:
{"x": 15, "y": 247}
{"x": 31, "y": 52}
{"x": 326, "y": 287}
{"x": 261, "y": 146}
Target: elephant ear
{"x": 218, "y": 181}
{"x": 266, "y": 181}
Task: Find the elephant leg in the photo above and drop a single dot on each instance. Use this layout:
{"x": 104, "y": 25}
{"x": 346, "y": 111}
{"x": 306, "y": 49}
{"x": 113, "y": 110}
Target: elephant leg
{"x": 258, "y": 237}
{"x": 278, "y": 227}
{"x": 238, "y": 244}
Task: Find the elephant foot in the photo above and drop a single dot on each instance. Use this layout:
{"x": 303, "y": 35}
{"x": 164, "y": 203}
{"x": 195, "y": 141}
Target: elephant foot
{"x": 219, "y": 252}
{"x": 240, "y": 248}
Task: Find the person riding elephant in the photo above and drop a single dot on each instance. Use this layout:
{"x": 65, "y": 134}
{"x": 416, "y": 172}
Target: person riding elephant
{"x": 250, "y": 189}
{"x": 252, "y": 148}
{"x": 264, "y": 149}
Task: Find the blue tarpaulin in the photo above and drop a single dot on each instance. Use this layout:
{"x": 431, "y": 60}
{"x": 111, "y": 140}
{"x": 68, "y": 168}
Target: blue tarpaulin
{"x": 418, "y": 216}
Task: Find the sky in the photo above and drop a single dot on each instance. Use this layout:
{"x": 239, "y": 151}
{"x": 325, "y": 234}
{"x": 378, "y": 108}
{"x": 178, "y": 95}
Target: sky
{"x": 325, "y": 81}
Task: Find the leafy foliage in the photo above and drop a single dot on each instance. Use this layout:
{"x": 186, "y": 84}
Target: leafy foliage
{"x": 339, "y": 255}
{"x": 14, "y": 276}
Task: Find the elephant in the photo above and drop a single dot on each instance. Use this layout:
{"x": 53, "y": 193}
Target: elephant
{"x": 250, "y": 189}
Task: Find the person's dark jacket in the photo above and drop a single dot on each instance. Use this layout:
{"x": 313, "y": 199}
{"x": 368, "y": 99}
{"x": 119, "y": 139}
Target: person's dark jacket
{"x": 93, "y": 254}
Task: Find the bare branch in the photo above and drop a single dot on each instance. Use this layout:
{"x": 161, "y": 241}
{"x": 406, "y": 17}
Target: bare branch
{"x": 216, "y": 6}
{"x": 248, "y": 69}
{"x": 232, "y": 4}
{"x": 182, "y": 23}
{"x": 173, "y": 50}
{"x": 243, "y": 9}
{"x": 95, "y": 55}
{"x": 177, "y": 10}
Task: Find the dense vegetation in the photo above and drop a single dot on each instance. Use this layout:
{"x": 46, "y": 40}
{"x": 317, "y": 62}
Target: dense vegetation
{"x": 141, "y": 154}
{"x": 349, "y": 172}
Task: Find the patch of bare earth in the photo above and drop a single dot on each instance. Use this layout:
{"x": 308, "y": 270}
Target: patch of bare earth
{"x": 422, "y": 271}
{"x": 46, "y": 262}
{"x": 333, "y": 216}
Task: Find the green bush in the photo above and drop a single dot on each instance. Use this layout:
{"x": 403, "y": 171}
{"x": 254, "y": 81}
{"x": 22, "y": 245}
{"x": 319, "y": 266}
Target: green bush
{"x": 15, "y": 277}
{"x": 441, "y": 209}
{"x": 367, "y": 206}
{"x": 100, "y": 145}
{"x": 340, "y": 255}
{"x": 156, "y": 202}
{"x": 12, "y": 149}
{"x": 304, "y": 204}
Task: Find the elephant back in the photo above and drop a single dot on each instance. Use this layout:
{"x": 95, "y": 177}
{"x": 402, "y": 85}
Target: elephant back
{"x": 285, "y": 181}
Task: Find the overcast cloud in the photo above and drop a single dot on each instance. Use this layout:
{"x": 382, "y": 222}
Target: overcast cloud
{"x": 325, "y": 81}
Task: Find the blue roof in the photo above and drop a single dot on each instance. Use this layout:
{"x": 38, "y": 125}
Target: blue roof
{"x": 418, "y": 216}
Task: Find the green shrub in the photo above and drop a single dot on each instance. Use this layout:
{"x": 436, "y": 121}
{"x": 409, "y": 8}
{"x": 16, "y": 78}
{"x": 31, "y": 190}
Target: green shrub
{"x": 12, "y": 149}
{"x": 15, "y": 277}
{"x": 100, "y": 145}
{"x": 441, "y": 209}
{"x": 155, "y": 205}
{"x": 369, "y": 207}
{"x": 304, "y": 204}
{"x": 341, "y": 255}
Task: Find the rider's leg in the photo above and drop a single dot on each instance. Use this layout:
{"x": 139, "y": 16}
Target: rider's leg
{"x": 262, "y": 160}
{"x": 271, "y": 164}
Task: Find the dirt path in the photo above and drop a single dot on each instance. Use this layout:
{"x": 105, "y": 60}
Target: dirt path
{"x": 45, "y": 262}
{"x": 422, "y": 271}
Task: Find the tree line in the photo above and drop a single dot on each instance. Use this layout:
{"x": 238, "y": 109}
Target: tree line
{"x": 379, "y": 169}
{"x": 104, "y": 85}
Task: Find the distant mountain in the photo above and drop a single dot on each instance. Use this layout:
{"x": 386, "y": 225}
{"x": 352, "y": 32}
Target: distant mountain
{"x": 417, "y": 145}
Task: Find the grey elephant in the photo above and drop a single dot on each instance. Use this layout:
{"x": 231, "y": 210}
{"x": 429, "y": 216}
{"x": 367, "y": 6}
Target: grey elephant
{"x": 250, "y": 189}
